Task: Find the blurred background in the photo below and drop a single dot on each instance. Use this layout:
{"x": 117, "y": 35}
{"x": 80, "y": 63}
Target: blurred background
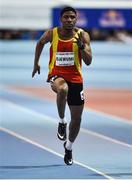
{"x": 104, "y": 20}
{"x": 28, "y": 106}
{"x": 108, "y": 81}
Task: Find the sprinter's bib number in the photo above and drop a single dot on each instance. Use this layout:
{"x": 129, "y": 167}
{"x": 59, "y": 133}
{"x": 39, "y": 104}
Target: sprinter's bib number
{"x": 64, "y": 59}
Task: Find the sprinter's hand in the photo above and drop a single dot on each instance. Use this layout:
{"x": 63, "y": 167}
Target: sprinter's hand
{"x": 79, "y": 41}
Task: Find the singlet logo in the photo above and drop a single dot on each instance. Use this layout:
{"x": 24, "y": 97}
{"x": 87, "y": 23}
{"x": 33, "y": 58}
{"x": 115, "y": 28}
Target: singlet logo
{"x": 64, "y": 58}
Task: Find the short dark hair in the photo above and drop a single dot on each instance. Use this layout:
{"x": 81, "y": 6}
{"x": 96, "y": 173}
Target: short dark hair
{"x": 67, "y": 8}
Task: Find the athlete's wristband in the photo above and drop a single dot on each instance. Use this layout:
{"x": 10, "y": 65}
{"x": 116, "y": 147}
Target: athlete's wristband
{"x": 82, "y": 47}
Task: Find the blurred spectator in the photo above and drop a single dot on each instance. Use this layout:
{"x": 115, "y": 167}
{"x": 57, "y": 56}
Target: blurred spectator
{"x": 5, "y": 35}
{"x": 124, "y": 36}
{"x": 95, "y": 35}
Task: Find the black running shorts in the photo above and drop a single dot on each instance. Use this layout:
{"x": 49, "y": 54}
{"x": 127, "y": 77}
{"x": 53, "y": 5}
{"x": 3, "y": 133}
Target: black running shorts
{"x": 75, "y": 95}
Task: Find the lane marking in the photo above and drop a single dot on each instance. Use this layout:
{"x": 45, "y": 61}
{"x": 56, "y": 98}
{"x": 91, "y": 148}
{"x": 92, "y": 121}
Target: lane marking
{"x": 54, "y": 120}
{"x": 110, "y": 116}
{"x": 51, "y": 151}
{"x": 106, "y": 138}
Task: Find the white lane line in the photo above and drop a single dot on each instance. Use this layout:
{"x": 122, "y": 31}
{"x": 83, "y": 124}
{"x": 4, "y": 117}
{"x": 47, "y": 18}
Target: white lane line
{"x": 106, "y": 138}
{"x": 109, "y": 116}
{"x": 51, "y": 151}
{"x": 53, "y": 120}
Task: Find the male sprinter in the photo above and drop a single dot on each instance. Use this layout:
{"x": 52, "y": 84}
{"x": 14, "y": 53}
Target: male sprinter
{"x": 69, "y": 46}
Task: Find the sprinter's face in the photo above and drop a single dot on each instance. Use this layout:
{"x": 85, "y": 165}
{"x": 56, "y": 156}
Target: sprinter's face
{"x": 68, "y": 20}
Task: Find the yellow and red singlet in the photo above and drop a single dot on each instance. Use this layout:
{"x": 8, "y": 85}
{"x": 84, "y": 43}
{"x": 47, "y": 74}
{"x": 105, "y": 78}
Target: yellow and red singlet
{"x": 65, "y": 59}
